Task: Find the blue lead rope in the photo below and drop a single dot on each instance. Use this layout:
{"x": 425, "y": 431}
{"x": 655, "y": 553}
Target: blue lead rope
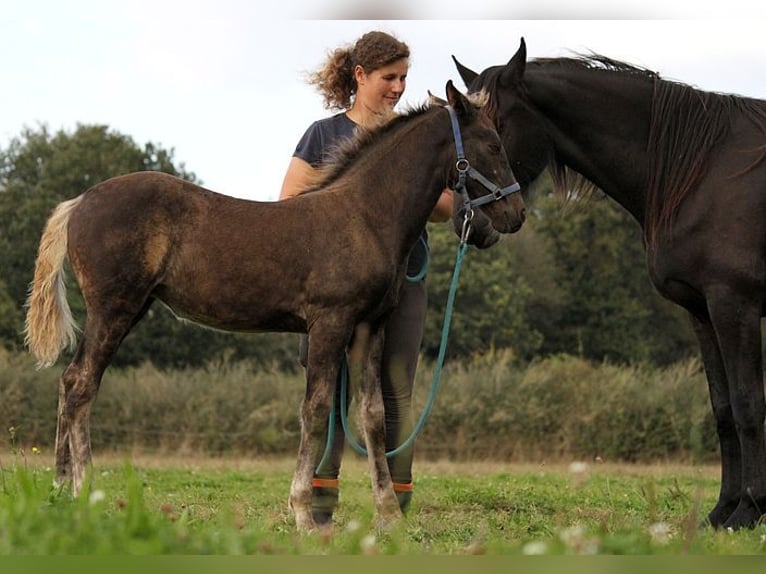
{"x": 462, "y": 248}
{"x": 426, "y": 262}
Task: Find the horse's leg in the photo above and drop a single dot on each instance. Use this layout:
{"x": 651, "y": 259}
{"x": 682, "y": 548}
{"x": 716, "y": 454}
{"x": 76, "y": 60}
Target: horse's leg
{"x": 326, "y": 347}
{"x": 63, "y": 454}
{"x": 80, "y": 382}
{"x": 736, "y": 318}
{"x": 731, "y": 458}
{"x": 366, "y": 355}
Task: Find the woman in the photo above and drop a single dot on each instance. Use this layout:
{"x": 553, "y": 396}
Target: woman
{"x": 366, "y": 81}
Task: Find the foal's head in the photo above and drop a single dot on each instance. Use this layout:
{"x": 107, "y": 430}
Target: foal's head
{"x": 481, "y": 178}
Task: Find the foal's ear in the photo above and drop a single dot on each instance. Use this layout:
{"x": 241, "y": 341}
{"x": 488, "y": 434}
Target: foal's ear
{"x": 514, "y": 69}
{"x": 435, "y": 100}
{"x": 457, "y": 100}
{"x": 467, "y": 74}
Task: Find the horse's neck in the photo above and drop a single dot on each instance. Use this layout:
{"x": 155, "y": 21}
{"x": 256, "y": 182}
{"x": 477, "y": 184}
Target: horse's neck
{"x": 399, "y": 183}
{"x": 599, "y": 122}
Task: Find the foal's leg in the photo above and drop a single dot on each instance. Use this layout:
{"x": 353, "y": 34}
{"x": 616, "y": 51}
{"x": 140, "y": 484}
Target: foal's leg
{"x": 326, "y": 347}
{"x": 736, "y": 318}
{"x": 731, "y": 457}
{"x": 367, "y": 353}
{"x": 63, "y": 454}
{"x": 79, "y": 385}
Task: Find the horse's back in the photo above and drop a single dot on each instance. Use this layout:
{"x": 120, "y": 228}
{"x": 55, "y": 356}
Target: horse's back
{"x": 141, "y": 195}
{"x": 123, "y": 229}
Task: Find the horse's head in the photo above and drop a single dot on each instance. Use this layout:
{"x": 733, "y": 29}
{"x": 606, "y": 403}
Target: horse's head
{"x": 521, "y": 128}
{"x": 481, "y": 178}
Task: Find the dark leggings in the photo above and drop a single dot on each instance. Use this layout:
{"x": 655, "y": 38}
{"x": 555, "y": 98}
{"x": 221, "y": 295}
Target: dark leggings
{"x": 404, "y": 334}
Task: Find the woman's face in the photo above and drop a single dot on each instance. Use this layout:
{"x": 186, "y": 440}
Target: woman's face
{"x": 380, "y": 90}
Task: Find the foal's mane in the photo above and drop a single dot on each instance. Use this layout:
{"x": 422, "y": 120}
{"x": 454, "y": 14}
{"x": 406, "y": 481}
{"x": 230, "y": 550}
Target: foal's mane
{"x": 685, "y": 127}
{"x": 349, "y": 150}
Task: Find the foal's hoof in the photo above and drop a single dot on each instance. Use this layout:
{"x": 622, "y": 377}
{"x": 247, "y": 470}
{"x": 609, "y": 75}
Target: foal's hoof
{"x": 324, "y": 531}
{"x": 390, "y": 517}
{"x": 305, "y": 526}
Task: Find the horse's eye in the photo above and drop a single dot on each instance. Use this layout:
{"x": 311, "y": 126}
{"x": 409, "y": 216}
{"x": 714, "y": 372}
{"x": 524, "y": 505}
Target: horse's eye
{"x": 494, "y": 147}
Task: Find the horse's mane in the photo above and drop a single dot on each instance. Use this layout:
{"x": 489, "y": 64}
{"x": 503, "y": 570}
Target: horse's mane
{"x": 686, "y": 125}
{"x": 342, "y": 156}
{"x": 595, "y": 62}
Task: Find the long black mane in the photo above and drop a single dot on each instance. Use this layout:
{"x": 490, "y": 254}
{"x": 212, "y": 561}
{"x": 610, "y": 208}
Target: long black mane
{"x": 686, "y": 126}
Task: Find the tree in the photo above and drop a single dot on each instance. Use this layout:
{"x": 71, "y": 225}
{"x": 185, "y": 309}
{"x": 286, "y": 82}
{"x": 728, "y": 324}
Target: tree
{"x": 39, "y": 170}
{"x": 610, "y": 310}
{"x": 491, "y": 300}
{"x": 573, "y": 281}
{"x": 10, "y": 319}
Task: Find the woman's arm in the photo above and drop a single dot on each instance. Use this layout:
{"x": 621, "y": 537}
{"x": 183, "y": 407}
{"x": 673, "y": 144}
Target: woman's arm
{"x": 298, "y": 177}
{"x": 443, "y": 210}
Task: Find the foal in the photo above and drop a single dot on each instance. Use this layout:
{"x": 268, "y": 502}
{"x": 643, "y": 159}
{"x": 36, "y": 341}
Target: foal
{"x": 322, "y": 263}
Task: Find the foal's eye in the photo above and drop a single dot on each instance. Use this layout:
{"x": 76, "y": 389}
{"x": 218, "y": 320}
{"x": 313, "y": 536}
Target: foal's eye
{"x": 494, "y": 147}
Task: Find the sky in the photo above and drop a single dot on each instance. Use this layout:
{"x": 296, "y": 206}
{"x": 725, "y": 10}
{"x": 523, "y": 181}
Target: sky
{"x": 222, "y": 82}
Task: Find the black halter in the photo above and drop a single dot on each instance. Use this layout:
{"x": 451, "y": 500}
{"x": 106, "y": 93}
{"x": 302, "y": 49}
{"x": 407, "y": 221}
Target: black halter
{"x": 464, "y": 169}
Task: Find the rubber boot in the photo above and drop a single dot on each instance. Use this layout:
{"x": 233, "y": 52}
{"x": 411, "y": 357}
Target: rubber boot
{"x": 324, "y": 499}
{"x": 403, "y": 493}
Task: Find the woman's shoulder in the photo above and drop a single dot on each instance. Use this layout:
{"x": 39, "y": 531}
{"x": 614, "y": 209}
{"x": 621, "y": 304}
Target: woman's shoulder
{"x": 331, "y": 129}
{"x": 339, "y": 122}
{"x": 322, "y": 135}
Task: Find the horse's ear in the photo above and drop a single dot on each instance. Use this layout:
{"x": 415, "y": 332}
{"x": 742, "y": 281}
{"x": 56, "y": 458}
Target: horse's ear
{"x": 435, "y": 100}
{"x": 514, "y": 69}
{"x": 457, "y": 100}
{"x": 466, "y": 74}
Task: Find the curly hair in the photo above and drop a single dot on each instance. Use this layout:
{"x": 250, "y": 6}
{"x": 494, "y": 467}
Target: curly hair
{"x": 335, "y": 79}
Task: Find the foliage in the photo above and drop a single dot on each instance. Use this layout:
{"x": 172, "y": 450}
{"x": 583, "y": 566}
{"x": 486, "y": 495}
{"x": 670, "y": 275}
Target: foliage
{"x": 40, "y": 169}
{"x": 609, "y": 309}
{"x": 491, "y": 407}
{"x": 10, "y": 319}
{"x": 573, "y": 281}
{"x": 491, "y": 302}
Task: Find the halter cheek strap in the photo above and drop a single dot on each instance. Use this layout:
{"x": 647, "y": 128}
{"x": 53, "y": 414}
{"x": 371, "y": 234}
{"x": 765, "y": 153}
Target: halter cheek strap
{"x": 465, "y": 169}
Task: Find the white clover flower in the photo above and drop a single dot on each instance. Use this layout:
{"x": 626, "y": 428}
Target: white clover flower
{"x": 353, "y": 525}
{"x": 660, "y": 532}
{"x": 572, "y": 535}
{"x": 367, "y": 543}
{"x": 576, "y": 540}
{"x": 534, "y": 548}
{"x": 96, "y": 496}
{"x": 578, "y": 467}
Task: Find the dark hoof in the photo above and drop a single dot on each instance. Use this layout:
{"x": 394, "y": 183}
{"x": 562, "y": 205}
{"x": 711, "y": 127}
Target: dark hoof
{"x": 719, "y": 515}
{"x": 743, "y": 517}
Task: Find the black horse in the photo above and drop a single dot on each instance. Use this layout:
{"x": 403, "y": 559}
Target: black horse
{"x": 689, "y": 166}
{"x": 265, "y": 266}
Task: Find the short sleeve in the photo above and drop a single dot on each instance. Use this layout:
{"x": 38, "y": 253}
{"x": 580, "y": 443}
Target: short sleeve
{"x": 310, "y": 146}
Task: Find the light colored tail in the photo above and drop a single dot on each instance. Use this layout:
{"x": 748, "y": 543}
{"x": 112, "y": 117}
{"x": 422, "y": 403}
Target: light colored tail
{"x": 50, "y": 327}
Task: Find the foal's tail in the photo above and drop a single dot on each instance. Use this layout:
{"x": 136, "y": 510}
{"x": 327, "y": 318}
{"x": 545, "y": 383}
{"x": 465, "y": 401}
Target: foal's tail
{"x": 50, "y": 327}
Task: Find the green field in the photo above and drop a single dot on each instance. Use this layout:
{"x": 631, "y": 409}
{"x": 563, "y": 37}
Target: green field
{"x": 185, "y": 505}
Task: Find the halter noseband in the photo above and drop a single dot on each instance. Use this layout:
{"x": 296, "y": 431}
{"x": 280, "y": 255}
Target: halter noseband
{"x": 465, "y": 169}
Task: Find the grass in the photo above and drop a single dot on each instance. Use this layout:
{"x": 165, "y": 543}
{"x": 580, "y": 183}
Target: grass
{"x": 186, "y": 505}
